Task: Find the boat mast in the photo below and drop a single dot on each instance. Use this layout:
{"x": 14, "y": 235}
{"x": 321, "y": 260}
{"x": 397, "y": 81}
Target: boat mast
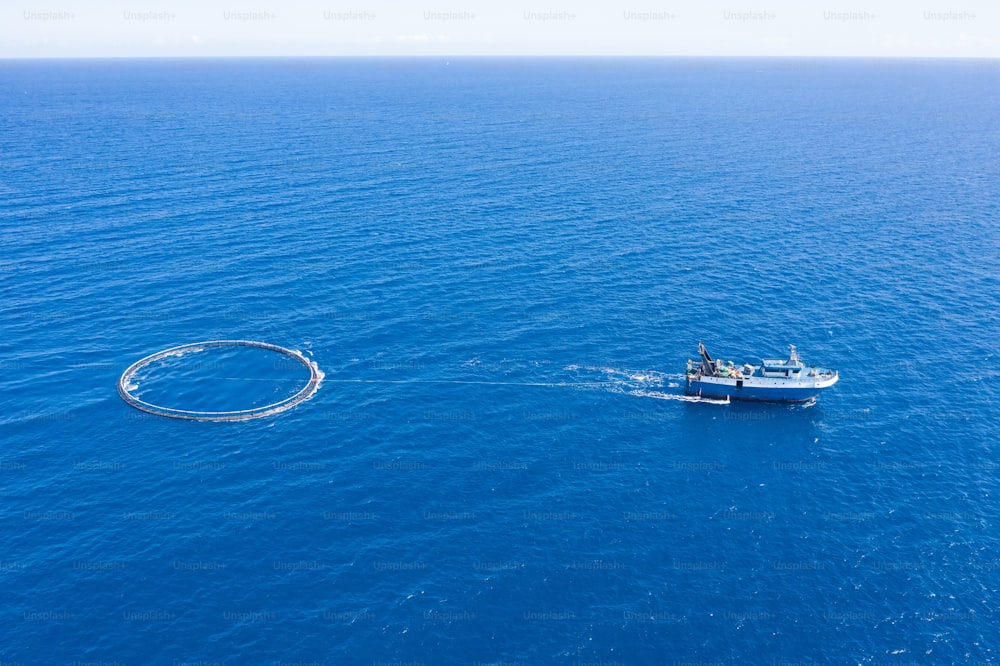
{"x": 707, "y": 364}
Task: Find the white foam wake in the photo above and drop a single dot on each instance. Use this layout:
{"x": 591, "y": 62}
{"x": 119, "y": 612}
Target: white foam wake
{"x": 638, "y": 383}
{"x": 676, "y": 396}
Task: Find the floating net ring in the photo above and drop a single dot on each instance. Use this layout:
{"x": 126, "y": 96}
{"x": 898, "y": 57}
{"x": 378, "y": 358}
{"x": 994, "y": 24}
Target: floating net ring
{"x": 125, "y": 381}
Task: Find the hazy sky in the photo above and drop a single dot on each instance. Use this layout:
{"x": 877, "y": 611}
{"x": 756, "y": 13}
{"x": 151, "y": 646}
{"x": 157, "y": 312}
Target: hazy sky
{"x": 67, "y": 28}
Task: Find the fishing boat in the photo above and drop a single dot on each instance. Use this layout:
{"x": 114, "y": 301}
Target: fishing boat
{"x": 773, "y": 380}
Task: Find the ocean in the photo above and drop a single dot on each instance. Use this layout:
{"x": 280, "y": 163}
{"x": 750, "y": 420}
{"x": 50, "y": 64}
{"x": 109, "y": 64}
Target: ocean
{"x": 500, "y": 266}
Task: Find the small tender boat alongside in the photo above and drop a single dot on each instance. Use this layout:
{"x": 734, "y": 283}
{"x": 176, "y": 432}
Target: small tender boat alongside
{"x": 773, "y": 380}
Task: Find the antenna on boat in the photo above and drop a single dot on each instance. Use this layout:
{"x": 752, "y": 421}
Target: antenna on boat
{"x": 794, "y": 355}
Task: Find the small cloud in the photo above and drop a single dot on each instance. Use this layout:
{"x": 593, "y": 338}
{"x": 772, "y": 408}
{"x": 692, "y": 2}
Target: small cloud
{"x": 422, "y": 38}
{"x": 975, "y": 41}
{"x": 892, "y": 41}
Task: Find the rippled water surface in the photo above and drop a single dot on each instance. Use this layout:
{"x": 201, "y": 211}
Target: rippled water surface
{"x": 501, "y": 266}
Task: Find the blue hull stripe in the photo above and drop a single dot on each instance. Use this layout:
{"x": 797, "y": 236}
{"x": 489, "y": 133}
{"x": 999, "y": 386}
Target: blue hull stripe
{"x": 759, "y": 394}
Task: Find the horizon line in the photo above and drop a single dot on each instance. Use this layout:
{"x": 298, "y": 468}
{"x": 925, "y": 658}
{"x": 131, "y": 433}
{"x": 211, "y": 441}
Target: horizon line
{"x": 500, "y": 56}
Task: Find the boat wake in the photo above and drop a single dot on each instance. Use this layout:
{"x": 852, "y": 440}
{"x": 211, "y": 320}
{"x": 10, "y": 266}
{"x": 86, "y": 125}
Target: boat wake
{"x": 675, "y": 396}
{"x": 637, "y": 383}
{"x": 651, "y": 377}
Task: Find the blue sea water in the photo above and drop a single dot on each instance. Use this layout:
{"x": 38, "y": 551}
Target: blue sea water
{"x": 501, "y": 267}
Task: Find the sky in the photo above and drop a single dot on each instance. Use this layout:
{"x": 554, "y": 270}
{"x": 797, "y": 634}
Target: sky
{"x": 204, "y": 28}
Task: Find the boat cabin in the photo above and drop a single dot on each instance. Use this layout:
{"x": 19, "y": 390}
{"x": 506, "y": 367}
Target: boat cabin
{"x": 792, "y": 367}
